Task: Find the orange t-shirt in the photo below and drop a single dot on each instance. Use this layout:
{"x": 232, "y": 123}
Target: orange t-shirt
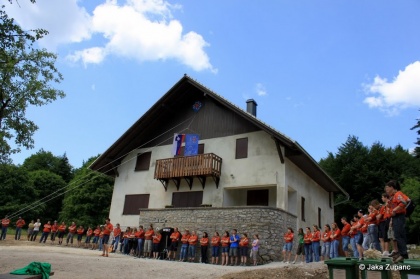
{"x": 316, "y": 236}
{"x": 204, "y": 241}
{"x": 20, "y": 223}
{"x": 62, "y": 228}
{"x": 72, "y": 229}
{"x": 326, "y": 236}
{"x": 47, "y": 228}
{"x": 108, "y": 229}
{"x": 288, "y": 237}
{"x": 54, "y": 228}
{"x": 346, "y": 229}
{"x": 149, "y": 234}
{"x": 372, "y": 218}
{"x": 193, "y": 240}
{"x": 97, "y": 232}
{"x": 363, "y": 227}
{"x": 225, "y": 241}
{"x": 399, "y": 199}
{"x": 307, "y": 238}
{"x": 175, "y": 236}
{"x": 185, "y": 238}
{"x": 335, "y": 235}
{"x": 89, "y": 232}
{"x": 141, "y": 234}
{"x": 80, "y": 231}
{"x": 5, "y": 222}
{"x": 157, "y": 238}
{"x": 244, "y": 242}
{"x": 117, "y": 231}
{"x": 215, "y": 241}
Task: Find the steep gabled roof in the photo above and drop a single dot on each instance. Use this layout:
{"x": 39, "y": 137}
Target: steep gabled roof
{"x": 111, "y": 158}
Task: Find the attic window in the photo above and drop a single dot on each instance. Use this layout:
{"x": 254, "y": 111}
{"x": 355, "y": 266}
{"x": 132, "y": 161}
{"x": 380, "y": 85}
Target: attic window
{"x": 241, "y": 148}
{"x": 143, "y": 161}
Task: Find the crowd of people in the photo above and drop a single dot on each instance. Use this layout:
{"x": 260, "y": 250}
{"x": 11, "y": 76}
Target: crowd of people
{"x": 374, "y": 228}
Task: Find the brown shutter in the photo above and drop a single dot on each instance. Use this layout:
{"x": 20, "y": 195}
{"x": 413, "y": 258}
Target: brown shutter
{"x": 143, "y": 161}
{"x": 241, "y": 148}
{"x": 187, "y": 199}
{"x": 133, "y": 203}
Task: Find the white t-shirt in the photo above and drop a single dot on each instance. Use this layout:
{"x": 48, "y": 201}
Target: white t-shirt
{"x": 37, "y": 225}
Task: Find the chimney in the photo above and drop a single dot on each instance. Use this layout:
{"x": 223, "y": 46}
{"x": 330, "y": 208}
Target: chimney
{"x": 251, "y": 107}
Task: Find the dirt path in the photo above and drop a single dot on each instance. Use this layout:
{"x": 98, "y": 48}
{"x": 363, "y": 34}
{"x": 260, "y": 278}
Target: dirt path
{"x": 81, "y": 263}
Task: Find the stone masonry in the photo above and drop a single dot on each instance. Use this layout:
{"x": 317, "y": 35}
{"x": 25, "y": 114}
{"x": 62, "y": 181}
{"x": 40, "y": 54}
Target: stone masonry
{"x": 268, "y": 222}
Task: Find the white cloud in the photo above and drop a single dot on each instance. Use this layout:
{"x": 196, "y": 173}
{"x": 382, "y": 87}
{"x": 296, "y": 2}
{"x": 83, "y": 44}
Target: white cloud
{"x": 402, "y": 92}
{"x": 138, "y": 29}
{"x": 260, "y": 89}
{"x": 65, "y": 21}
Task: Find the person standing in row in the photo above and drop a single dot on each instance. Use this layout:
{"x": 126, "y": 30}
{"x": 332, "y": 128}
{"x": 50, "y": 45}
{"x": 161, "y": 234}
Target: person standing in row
{"x": 72, "y": 232}
{"x": 117, "y": 233}
{"x": 225, "y": 248}
{"x": 335, "y": 240}
{"x": 30, "y": 229}
{"x": 353, "y": 244}
{"x": 95, "y": 240}
{"x": 54, "y": 230}
{"x": 204, "y": 243}
{"x": 45, "y": 232}
{"x": 215, "y": 244}
{"x": 156, "y": 242}
{"x": 345, "y": 237}
{"x": 184, "y": 246}
{"x": 255, "y": 248}
{"x": 175, "y": 237}
{"x": 326, "y": 240}
{"x": 19, "y": 225}
{"x": 61, "y": 232}
{"x": 316, "y": 237}
{"x": 243, "y": 249}
{"x": 108, "y": 228}
{"x": 148, "y": 243}
{"x": 140, "y": 241}
{"x": 89, "y": 234}
{"x": 80, "y": 231}
{"x": 308, "y": 245}
{"x": 234, "y": 245}
{"x": 300, "y": 250}
{"x": 4, "y": 225}
{"x": 35, "y": 232}
{"x": 288, "y": 245}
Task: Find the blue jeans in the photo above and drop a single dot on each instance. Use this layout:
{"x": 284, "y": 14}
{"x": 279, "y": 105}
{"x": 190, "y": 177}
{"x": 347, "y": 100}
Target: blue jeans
{"x": 191, "y": 251}
{"x": 374, "y": 237}
{"x": 140, "y": 246}
{"x": 354, "y": 247}
{"x": 115, "y": 243}
{"x": 398, "y": 225}
{"x": 308, "y": 252}
{"x": 44, "y": 237}
{"x": 126, "y": 246}
{"x": 215, "y": 251}
{"x": 345, "y": 243}
{"x": 334, "y": 249}
{"x": 288, "y": 246}
{"x": 326, "y": 249}
{"x": 183, "y": 253}
{"x": 366, "y": 241}
{"x": 3, "y": 233}
{"x": 315, "y": 250}
{"x": 18, "y": 233}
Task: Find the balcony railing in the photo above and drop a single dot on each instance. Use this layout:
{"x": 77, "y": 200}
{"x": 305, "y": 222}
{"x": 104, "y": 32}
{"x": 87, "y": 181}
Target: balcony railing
{"x": 200, "y": 166}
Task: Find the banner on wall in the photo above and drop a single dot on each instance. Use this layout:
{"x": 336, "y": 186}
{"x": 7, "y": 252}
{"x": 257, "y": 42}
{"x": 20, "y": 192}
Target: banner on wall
{"x": 177, "y": 143}
{"x": 191, "y": 144}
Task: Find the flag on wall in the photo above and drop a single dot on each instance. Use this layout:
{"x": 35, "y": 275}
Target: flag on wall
{"x": 191, "y": 144}
{"x": 176, "y": 146}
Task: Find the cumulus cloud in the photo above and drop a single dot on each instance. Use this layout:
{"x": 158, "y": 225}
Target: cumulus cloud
{"x": 400, "y": 93}
{"x": 144, "y": 30}
{"x": 65, "y": 21}
{"x": 260, "y": 89}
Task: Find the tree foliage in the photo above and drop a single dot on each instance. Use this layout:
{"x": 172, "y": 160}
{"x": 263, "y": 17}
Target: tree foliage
{"x": 45, "y": 160}
{"x": 411, "y": 188}
{"x": 363, "y": 171}
{"x": 417, "y": 149}
{"x": 26, "y": 78}
{"x": 88, "y": 201}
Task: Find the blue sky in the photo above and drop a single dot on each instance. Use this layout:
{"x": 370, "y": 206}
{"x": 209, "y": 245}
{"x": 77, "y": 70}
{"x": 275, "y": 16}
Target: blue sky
{"x": 319, "y": 70}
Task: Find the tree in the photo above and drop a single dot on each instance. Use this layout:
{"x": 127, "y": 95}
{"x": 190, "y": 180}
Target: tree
{"x": 411, "y": 188}
{"x": 88, "y": 199}
{"x": 45, "y": 160}
{"x": 26, "y": 77}
{"x": 17, "y": 192}
{"x": 417, "y": 149}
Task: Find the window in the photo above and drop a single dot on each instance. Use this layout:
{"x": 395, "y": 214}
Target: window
{"x": 319, "y": 218}
{"x": 257, "y": 197}
{"x": 133, "y": 203}
{"x": 200, "y": 150}
{"x": 143, "y": 161}
{"x": 241, "y": 148}
{"x": 302, "y": 208}
{"x": 330, "y": 197}
{"x": 187, "y": 199}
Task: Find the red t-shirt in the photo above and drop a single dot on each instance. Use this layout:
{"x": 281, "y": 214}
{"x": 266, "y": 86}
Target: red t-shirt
{"x": 149, "y": 234}
{"x": 157, "y": 238}
{"x": 185, "y": 238}
{"x": 54, "y": 228}
{"x": 108, "y": 229}
{"x": 175, "y": 236}
{"x": 97, "y": 232}
{"x": 204, "y": 241}
{"x": 72, "y": 229}
{"x": 316, "y": 236}
{"x": 80, "y": 231}
{"x": 89, "y": 232}
{"x": 346, "y": 229}
{"x": 47, "y": 228}
{"x": 5, "y": 222}
{"x": 307, "y": 238}
{"x": 225, "y": 241}
{"x": 193, "y": 240}
{"x": 62, "y": 228}
{"x": 335, "y": 235}
{"x": 20, "y": 223}
{"x": 326, "y": 236}
{"x": 244, "y": 242}
{"x": 288, "y": 237}
{"x": 215, "y": 241}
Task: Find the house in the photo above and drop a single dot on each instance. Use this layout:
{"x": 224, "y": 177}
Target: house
{"x": 246, "y": 174}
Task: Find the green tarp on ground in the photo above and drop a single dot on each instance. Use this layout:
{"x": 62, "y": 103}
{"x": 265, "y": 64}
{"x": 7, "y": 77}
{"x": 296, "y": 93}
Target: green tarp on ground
{"x": 35, "y": 268}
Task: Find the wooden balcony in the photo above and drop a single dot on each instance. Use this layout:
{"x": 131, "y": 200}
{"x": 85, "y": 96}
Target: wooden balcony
{"x": 200, "y": 166}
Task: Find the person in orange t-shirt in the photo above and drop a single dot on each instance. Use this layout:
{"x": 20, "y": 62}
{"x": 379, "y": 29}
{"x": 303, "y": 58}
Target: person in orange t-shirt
{"x": 316, "y": 238}
{"x": 96, "y": 234}
{"x": 243, "y": 249}
{"x": 156, "y": 241}
{"x": 89, "y": 234}
{"x": 225, "y": 248}
{"x": 345, "y": 237}
{"x": 80, "y": 232}
{"x": 19, "y": 224}
{"x": 71, "y": 234}
{"x": 4, "y": 225}
{"x": 61, "y": 231}
{"x": 373, "y": 220}
{"x": 308, "y": 245}
{"x": 148, "y": 243}
{"x": 384, "y": 221}
{"x": 204, "y": 243}
{"x": 335, "y": 240}
{"x": 184, "y": 246}
{"x": 45, "y": 232}
{"x": 54, "y": 231}
{"x": 192, "y": 242}
{"x": 108, "y": 228}
{"x": 140, "y": 241}
{"x": 116, "y": 240}
{"x": 288, "y": 245}
{"x": 325, "y": 251}
{"x": 175, "y": 237}
{"x": 215, "y": 244}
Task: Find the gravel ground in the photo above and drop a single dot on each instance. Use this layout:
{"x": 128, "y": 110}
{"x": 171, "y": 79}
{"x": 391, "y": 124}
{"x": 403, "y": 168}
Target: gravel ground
{"x": 82, "y": 263}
